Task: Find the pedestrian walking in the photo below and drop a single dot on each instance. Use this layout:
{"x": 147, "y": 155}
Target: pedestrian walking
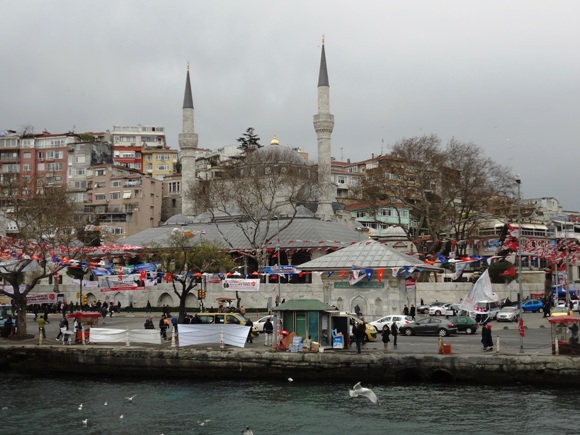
{"x": 41, "y": 324}
{"x": 486, "y": 338}
{"x": 412, "y": 312}
{"x": 394, "y": 332}
{"x": 406, "y": 310}
{"x": 359, "y": 331}
{"x": 148, "y": 307}
{"x": 385, "y": 334}
{"x": 250, "y": 338}
{"x": 163, "y": 327}
{"x": 268, "y": 332}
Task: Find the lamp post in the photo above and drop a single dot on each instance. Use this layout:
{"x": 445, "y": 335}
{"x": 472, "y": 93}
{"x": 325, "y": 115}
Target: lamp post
{"x": 277, "y": 330}
{"x": 520, "y": 293}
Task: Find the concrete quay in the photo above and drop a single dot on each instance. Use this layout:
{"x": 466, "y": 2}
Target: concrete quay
{"x": 410, "y": 361}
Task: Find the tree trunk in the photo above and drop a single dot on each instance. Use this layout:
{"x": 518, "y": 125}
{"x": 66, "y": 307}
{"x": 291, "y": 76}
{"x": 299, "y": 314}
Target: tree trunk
{"x": 20, "y": 305}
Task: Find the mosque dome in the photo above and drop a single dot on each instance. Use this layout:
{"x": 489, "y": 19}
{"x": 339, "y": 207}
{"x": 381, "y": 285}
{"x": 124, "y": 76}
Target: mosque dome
{"x": 275, "y": 154}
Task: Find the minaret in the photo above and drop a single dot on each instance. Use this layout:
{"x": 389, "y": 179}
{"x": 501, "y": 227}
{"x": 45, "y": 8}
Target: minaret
{"x": 188, "y": 146}
{"x": 323, "y": 125}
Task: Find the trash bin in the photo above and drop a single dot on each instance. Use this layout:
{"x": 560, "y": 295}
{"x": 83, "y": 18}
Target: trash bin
{"x": 446, "y": 349}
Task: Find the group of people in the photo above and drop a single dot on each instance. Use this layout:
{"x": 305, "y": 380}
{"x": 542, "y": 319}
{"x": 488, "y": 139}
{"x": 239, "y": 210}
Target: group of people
{"x": 410, "y": 312}
{"x": 386, "y": 332}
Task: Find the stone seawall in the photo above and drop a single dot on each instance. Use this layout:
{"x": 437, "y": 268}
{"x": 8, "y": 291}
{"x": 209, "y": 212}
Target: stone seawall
{"x": 326, "y": 366}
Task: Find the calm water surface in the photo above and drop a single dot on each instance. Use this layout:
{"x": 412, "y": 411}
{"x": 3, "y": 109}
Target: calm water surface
{"x": 50, "y": 406}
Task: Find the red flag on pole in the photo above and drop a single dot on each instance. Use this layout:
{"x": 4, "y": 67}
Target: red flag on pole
{"x": 521, "y": 328}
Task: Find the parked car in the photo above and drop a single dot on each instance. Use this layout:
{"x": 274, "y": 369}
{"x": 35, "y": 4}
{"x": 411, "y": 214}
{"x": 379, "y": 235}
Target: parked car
{"x": 438, "y": 309}
{"x": 388, "y": 320}
{"x": 533, "y": 305}
{"x": 429, "y": 326}
{"x": 508, "y": 314}
{"x": 259, "y": 324}
{"x": 455, "y": 310}
{"x": 225, "y": 318}
{"x": 464, "y": 324}
{"x": 370, "y": 332}
{"x": 423, "y": 308}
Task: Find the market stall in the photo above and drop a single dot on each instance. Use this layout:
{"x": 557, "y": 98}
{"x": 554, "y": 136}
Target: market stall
{"x": 87, "y": 320}
{"x": 565, "y": 335}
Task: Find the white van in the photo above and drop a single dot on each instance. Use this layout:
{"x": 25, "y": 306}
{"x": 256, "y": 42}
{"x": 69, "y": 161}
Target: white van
{"x": 487, "y": 310}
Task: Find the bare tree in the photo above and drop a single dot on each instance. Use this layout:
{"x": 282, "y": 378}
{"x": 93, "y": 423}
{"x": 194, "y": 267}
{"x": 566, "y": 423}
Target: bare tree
{"x": 43, "y": 218}
{"x": 269, "y": 183}
{"x": 183, "y": 260}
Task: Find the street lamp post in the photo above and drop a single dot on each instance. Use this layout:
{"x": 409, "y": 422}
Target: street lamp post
{"x": 520, "y": 292}
{"x": 277, "y": 330}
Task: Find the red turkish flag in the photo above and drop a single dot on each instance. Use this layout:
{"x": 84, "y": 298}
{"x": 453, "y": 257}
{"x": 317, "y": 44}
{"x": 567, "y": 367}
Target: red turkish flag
{"x": 521, "y": 328}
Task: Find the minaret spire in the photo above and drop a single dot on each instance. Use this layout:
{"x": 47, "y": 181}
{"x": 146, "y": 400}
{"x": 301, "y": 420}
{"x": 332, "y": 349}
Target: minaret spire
{"x": 323, "y": 125}
{"x": 188, "y": 149}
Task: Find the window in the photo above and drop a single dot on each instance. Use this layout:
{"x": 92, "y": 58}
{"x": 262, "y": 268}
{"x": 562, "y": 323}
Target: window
{"x": 116, "y": 183}
{"x": 25, "y": 167}
{"x": 54, "y": 155}
{"x": 54, "y": 167}
{"x": 80, "y": 159}
{"x": 163, "y": 167}
{"x": 26, "y": 155}
{"x": 361, "y": 214}
{"x": 341, "y": 179}
{"x": 100, "y": 197}
{"x": 127, "y": 194}
{"x": 163, "y": 157}
{"x": 99, "y": 185}
{"x": 80, "y": 184}
{"x": 149, "y": 158}
{"x": 174, "y": 187}
{"x": 99, "y": 172}
{"x": 115, "y": 195}
{"x": 387, "y": 212}
{"x": 80, "y": 171}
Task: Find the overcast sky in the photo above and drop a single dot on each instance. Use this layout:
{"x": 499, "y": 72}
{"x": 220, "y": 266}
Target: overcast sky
{"x": 503, "y": 74}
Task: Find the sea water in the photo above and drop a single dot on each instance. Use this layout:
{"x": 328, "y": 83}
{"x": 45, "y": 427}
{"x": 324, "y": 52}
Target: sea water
{"x": 36, "y": 405}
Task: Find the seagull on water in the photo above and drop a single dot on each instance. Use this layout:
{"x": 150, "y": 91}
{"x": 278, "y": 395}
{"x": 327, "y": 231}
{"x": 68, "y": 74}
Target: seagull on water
{"x": 202, "y": 423}
{"x": 247, "y": 431}
{"x": 121, "y": 416}
{"x": 85, "y": 421}
{"x": 130, "y": 398}
{"x": 357, "y": 391}
{"x": 290, "y": 380}
{"x": 105, "y": 403}
{"x": 80, "y": 407}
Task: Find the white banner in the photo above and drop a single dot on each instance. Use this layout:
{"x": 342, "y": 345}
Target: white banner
{"x": 481, "y": 291}
{"x": 41, "y": 298}
{"x": 234, "y": 335}
{"x": 109, "y": 335}
{"x": 105, "y": 335}
{"x": 243, "y": 285}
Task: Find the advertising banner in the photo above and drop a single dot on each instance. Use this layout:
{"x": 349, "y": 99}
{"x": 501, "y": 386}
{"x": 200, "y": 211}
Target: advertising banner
{"x": 242, "y": 285}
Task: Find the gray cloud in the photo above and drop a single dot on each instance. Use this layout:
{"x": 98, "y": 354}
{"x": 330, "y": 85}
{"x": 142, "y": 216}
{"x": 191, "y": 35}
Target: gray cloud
{"x": 500, "y": 74}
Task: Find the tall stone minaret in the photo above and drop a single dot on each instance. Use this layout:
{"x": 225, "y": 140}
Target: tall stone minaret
{"x": 323, "y": 125}
{"x": 187, "y": 151}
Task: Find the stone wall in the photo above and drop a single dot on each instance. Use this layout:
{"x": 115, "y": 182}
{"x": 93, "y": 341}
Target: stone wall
{"x": 328, "y": 366}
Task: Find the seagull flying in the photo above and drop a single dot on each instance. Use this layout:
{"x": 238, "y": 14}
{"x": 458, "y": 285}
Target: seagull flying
{"x": 130, "y": 398}
{"x": 290, "y": 380}
{"x": 85, "y": 421}
{"x": 80, "y": 407}
{"x": 121, "y": 416}
{"x": 202, "y": 423}
{"x": 357, "y": 391}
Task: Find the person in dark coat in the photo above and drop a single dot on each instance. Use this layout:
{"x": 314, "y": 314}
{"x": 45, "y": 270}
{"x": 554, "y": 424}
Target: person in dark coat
{"x": 250, "y": 338}
{"x": 406, "y": 311}
{"x": 359, "y": 332}
{"x": 412, "y": 312}
{"x": 163, "y": 327}
{"x": 149, "y": 323}
{"x": 268, "y": 332}
{"x": 394, "y": 332}
{"x": 486, "y": 339}
{"x": 385, "y": 336}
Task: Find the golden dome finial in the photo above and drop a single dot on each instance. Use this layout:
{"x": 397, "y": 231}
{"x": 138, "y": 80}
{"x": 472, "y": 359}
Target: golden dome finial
{"x": 187, "y": 66}
{"x": 323, "y": 39}
{"x": 274, "y": 141}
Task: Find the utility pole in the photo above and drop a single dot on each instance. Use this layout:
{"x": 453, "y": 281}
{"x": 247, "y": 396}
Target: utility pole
{"x": 520, "y": 232}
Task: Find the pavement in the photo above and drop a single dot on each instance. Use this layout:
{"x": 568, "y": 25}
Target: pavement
{"x": 537, "y": 336}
